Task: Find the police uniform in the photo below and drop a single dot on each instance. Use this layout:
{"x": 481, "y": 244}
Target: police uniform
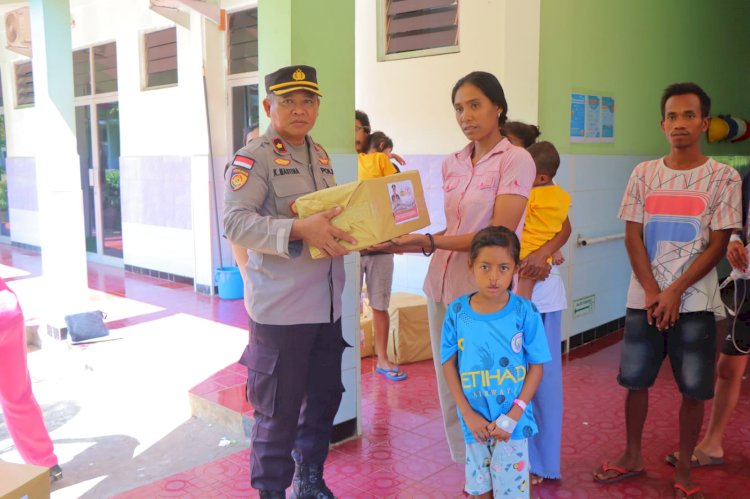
{"x": 294, "y": 302}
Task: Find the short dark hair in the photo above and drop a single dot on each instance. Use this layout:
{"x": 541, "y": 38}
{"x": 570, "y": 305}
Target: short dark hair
{"x": 489, "y": 86}
{"x": 380, "y": 141}
{"x": 546, "y": 158}
{"x": 683, "y": 89}
{"x": 362, "y": 117}
{"x": 495, "y": 235}
{"x": 527, "y": 133}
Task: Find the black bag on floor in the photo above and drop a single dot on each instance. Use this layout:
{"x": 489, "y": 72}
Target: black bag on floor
{"x": 86, "y": 326}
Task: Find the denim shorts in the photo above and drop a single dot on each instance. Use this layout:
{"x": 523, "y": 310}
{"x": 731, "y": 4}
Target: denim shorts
{"x": 690, "y": 344}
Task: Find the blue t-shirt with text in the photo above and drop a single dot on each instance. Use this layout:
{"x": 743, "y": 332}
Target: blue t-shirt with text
{"x": 494, "y": 351}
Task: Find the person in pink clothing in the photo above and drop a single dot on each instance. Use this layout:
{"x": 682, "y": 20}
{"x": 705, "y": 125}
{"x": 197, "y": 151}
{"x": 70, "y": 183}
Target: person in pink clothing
{"x": 485, "y": 183}
{"x": 22, "y": 414}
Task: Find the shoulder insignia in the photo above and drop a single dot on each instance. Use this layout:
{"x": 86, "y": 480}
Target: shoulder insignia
{"x": 282, "y": 161}
{"x": 320, "y": 148}
{"x": 278, "y": 146}
{"x": 324, "y": 161}
{"x": 239, "y": 178}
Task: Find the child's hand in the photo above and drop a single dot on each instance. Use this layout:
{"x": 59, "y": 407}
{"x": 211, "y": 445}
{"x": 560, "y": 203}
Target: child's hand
{"x": 558, "y": 258}
{"x": 478, "y": 425}
{"x": 499, "y": 434}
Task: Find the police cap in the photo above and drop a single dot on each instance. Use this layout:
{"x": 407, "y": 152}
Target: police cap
{"x": 292, "y": 78}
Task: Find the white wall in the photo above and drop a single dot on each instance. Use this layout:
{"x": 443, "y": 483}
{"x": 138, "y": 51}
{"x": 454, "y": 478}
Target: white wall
{"x": 410, "y": 98}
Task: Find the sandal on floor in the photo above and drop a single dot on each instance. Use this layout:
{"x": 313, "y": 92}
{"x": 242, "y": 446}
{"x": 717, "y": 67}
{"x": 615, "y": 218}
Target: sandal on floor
{"x": 699, "y": 459}
{"x": 391, "y": 374}
{"x": 622, "y": 474}
{"x": 688, "y": 493}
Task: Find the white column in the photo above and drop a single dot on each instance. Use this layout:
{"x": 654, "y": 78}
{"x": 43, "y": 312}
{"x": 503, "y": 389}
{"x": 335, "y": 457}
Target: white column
{"x": 57, "y": 163}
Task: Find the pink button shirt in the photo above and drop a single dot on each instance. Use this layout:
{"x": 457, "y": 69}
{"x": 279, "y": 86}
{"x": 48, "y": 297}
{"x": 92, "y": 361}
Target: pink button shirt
{"x": 470, "y": 192}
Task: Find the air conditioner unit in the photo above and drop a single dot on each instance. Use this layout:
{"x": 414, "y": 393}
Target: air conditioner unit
{"x": 18, "y": 31}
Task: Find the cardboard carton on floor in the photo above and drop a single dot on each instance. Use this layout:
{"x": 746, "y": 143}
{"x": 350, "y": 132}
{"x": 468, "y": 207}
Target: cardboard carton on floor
{"x": 409, "y": 335}
{"x": 375, "y": 209}
{"x": 23, "y": 481}
{"x": 366, "y": 340}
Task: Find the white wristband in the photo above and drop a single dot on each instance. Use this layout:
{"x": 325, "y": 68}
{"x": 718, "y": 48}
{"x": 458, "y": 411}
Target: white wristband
{"x": 520, "y": 403}
{"x": 506, "y": 423}
{"x": 735, "y": 237}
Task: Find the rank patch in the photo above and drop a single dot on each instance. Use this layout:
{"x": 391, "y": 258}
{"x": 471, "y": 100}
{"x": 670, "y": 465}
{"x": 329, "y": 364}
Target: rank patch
{"x": 243, "y": 162}
{"x": 282, "y": 161}
{"x": 279, "y": 146}
{"x": 239, "y": 177}
{"x": 324, "y": 161}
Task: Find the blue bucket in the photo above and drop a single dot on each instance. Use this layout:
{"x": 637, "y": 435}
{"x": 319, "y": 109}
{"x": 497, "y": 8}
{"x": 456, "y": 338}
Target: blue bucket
{"x": 229, "y": 280}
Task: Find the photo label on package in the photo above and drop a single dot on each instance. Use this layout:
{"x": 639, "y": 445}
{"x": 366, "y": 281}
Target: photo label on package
{"x": 403, "y": 203}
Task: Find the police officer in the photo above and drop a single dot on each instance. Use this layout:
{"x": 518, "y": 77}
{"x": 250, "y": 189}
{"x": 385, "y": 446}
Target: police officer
{"x": 294, "y": 302}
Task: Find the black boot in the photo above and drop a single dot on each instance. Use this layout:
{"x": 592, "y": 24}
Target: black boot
{"x": 272, "y": 494}
{"x": 308, "y": 482}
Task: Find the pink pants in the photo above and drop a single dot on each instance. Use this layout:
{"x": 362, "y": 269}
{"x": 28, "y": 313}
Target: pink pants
{"x": 21, "y": 411}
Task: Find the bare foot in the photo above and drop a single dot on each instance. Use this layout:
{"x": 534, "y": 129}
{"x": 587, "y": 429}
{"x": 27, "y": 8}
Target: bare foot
{"x": 536, "y": 479}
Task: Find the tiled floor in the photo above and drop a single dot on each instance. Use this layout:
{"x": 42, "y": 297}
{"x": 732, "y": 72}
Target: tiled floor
{"x": 402, "y": 452}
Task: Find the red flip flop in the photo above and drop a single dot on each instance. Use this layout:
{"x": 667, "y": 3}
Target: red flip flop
{"x": 684, "y": 490}
{"x": 623, "y": 474}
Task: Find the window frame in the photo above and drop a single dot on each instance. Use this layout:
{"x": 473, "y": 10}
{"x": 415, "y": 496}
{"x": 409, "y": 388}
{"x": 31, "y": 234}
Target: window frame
{"x": 92, "y": 71}
{"x": 228, "y": 48}
{"x": 144, "y": 60}
{"x": 382, "y": 37}
{"x": 16, "y": 65}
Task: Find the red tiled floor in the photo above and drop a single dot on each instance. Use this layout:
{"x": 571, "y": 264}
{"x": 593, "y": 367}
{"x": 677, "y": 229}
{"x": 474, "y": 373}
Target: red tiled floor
{"x": 402, "y": 452}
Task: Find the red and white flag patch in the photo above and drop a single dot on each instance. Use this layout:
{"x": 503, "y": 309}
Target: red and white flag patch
{"x": 243, "y": 162}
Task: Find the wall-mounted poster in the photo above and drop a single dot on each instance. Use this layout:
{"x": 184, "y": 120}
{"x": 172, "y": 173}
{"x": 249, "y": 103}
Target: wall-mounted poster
{"x": 577, "y": 118}
{"x": 592, "y": 118}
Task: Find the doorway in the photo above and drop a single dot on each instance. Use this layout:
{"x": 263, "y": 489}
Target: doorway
{"x": 98, "y": 134}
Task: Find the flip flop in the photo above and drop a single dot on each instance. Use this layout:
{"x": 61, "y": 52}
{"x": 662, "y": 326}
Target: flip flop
{"x": 684, "y": 490}
{"x": 623, "y": 474}
{"x": 699, "y": 460}
{"x": 391, "y": 374}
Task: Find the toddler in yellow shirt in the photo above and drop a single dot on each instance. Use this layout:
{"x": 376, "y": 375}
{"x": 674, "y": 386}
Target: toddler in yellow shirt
{"x": 547, "y": 209}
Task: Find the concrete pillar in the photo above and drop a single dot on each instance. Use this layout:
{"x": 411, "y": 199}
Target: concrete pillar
{"x": 57, "y": 164}
{"x": 321, "y": 34}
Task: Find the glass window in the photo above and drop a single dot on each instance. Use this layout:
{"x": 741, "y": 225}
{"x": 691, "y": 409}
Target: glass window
{"x": 105, "y": 68}
{"x": 81, "y": 73}
{"x": 24, "y": 84}
{"x": 243, "y": 41}
{"x": 419, "y": 27}
{"x": 161, "y": 58}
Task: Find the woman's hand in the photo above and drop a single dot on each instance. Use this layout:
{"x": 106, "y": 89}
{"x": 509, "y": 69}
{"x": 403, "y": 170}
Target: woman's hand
{"x": 409, "y": 243}
{"x": 535, "y": 266}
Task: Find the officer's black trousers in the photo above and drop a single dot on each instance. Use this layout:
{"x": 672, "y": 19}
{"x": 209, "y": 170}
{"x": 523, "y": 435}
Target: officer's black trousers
{"x": 294, "y": 384}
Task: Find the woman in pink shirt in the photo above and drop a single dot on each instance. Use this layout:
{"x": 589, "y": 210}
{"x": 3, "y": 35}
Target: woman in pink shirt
{"x": 485, "y": 183}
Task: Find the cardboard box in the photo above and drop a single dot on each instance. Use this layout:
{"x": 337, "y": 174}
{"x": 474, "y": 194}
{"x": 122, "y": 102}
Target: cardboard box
{"x": 25, "y": 481}
{"x": 375, "y": 210}
{"x": 409, "y": 335}
{"x": 366, "y": 338}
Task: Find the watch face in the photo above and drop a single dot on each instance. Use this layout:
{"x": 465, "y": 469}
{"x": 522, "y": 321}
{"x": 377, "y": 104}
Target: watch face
{"x": 504, "y": 424}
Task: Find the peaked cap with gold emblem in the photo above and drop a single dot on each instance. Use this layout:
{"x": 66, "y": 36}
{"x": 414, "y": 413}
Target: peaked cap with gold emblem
{"x": 292, "y": 78}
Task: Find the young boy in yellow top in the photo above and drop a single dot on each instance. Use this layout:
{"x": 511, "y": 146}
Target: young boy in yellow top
{"x": 376, "y": 267}
{"x": 547, "y": 209}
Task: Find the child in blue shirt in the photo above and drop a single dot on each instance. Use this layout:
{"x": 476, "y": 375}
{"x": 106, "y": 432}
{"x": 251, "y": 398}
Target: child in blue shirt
{"x": 492, "y": 351}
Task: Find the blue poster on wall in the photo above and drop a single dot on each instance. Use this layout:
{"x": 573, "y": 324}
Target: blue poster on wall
{"x": 577, "y": 118}
{"x": 592, "y": 118}
{"x": 608, "y": 119}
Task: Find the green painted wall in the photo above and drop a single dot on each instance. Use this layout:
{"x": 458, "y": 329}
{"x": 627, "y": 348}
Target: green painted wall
{"x": 632, "y": 50}
{"x": 320, "y": 34}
